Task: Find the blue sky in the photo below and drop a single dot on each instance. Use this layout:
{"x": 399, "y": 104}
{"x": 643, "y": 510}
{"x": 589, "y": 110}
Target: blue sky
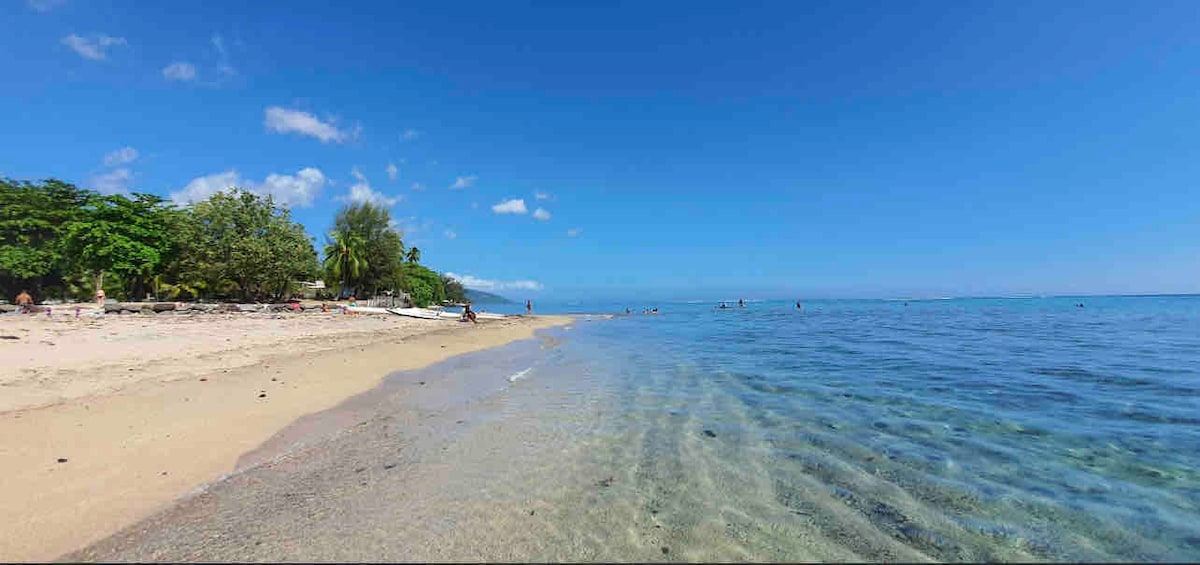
{"x": 677, "y": 150}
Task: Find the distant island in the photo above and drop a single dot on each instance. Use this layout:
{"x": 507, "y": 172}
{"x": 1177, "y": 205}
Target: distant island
{"x": 481, "y": 297}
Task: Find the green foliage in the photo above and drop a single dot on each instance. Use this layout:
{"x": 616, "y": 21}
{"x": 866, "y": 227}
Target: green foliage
{"x": 33, "y": 217}
{"x": 364, "y": 252}
{"x": 423, "y": 285}
{"x": 345, "y": 259}
{"x": 127, "y": 237}
{"x": 61, "y": 240}
{"x": 237, "y": 242}
{"x": 455, "y": 292}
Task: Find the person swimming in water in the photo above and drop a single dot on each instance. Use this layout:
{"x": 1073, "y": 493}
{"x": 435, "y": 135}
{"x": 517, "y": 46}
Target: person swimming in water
{"x": 798, "y": 306}
{"x": 741, "y": 303}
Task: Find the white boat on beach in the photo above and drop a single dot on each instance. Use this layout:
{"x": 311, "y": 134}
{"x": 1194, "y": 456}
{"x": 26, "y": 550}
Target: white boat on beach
{"x": 423, "y": 313}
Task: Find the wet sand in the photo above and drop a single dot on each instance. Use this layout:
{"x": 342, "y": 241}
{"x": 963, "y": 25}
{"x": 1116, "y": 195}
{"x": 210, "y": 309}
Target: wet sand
{"x": 109, "y": 421}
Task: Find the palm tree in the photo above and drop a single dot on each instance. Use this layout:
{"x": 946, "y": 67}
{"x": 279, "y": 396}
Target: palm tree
{"x": 344, "y": 258}
{"x": 414, "y": 255}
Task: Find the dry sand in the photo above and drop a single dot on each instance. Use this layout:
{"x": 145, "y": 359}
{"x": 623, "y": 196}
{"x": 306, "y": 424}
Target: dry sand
{"x": 145, "y": 408}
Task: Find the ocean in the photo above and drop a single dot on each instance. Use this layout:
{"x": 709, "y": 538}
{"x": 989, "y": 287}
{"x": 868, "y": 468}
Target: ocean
{"x": 960, "y": 429}
{"x": 973, "y": 429}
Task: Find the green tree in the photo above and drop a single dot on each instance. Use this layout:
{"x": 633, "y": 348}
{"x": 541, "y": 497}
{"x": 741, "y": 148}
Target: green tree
{"x": 33, "y": 217}
{"x": 379, "y": 248}
{"x": 455, "y": 292}
{"x": 344, "y": 259}
{"x": 423, "y": 285}
{"x": 239, "y": 243}
{"x": 127, "y": 237}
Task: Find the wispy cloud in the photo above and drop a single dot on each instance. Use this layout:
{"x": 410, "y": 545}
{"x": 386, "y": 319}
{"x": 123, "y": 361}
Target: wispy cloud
{"x": 573, "y": 232}
{"x": 541, "y": 214}
{"x": 297, "y": 191}
{"x": 418, "y": 186}
{"x": 116, "y": 181}
{"x": 488, "y": 284}
{"x": 540, "y": 195}
{"x": 180, "y": 70}
{"x": 361, "y": 192}
{"x": 450, "y": 234}
{"x": 464, "y": 182}
{"x": 410, "y": 135}
{"x": 44, "y": 6}
{"x": 223, "y": 65}
{"x": 393, "y": 172}
{"x": 120, "y": 157}
{"x": 94, "y": 47}
{"x": 511, "y": 206}
{"x": 283, "y": 120}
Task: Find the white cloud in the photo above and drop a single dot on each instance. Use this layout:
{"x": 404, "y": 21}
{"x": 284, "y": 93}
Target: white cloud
{"x": 179, "y": 71}
{"x": 44, "y": 6}
{"x": 223, "y": 65}
{"x": 418, "y": 186}
{"x": 450, "y": 234}
{"x": 299, "y": 190}
{"x": 486, "y": 284}
{"x": 410, "y": 135}
{"x": 202, "y": 187}
{"x": 121, "y": 156}
{"x": 393, "y": 172}
{"x": 464, "y": 182}
{"x": 92, "y": 47}
{"x": 541, "y": 214}
{"x": 512, "y": 206}
{"x": 116, "y": 181}
{"x": 362, "y": 192}
{"x": 282, "y": 120}
{"x": 574, "y": 232}
{"x": 540, "y": 195}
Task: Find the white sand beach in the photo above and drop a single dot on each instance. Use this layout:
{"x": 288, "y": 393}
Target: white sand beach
{"x": 107, "y": 420}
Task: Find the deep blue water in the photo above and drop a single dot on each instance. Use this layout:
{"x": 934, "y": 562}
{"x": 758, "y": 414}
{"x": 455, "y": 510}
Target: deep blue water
{"x": 963, "y": 429}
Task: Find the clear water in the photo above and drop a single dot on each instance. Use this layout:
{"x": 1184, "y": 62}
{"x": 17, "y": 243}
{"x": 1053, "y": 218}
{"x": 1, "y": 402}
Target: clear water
{"x": 948, "y": 430}
{"x": 972, "y": 429}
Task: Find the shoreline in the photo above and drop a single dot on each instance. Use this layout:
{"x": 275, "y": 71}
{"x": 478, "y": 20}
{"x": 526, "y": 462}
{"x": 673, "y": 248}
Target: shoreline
{"x": 133, "y": 446}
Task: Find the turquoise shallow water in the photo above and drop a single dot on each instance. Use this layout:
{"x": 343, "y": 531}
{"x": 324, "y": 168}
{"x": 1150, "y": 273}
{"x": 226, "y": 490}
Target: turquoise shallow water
{"x": 947, "y": 430}
{"x": 960, "y": 429}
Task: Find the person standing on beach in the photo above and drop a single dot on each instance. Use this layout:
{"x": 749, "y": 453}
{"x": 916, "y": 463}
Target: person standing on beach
{"x": 528, "y": 307}
{"x": 24, "y": 302}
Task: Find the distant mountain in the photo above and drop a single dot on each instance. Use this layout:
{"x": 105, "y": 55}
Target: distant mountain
{"x": 481, "y": 297}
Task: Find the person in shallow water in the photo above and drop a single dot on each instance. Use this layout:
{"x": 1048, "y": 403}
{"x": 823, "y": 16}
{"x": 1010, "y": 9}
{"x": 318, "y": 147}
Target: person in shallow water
{"x": 741, "y": 303}
{"x": 723, "y": 305}
{"x": 528, "y": 307}
{"x": 798, "y": 306}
